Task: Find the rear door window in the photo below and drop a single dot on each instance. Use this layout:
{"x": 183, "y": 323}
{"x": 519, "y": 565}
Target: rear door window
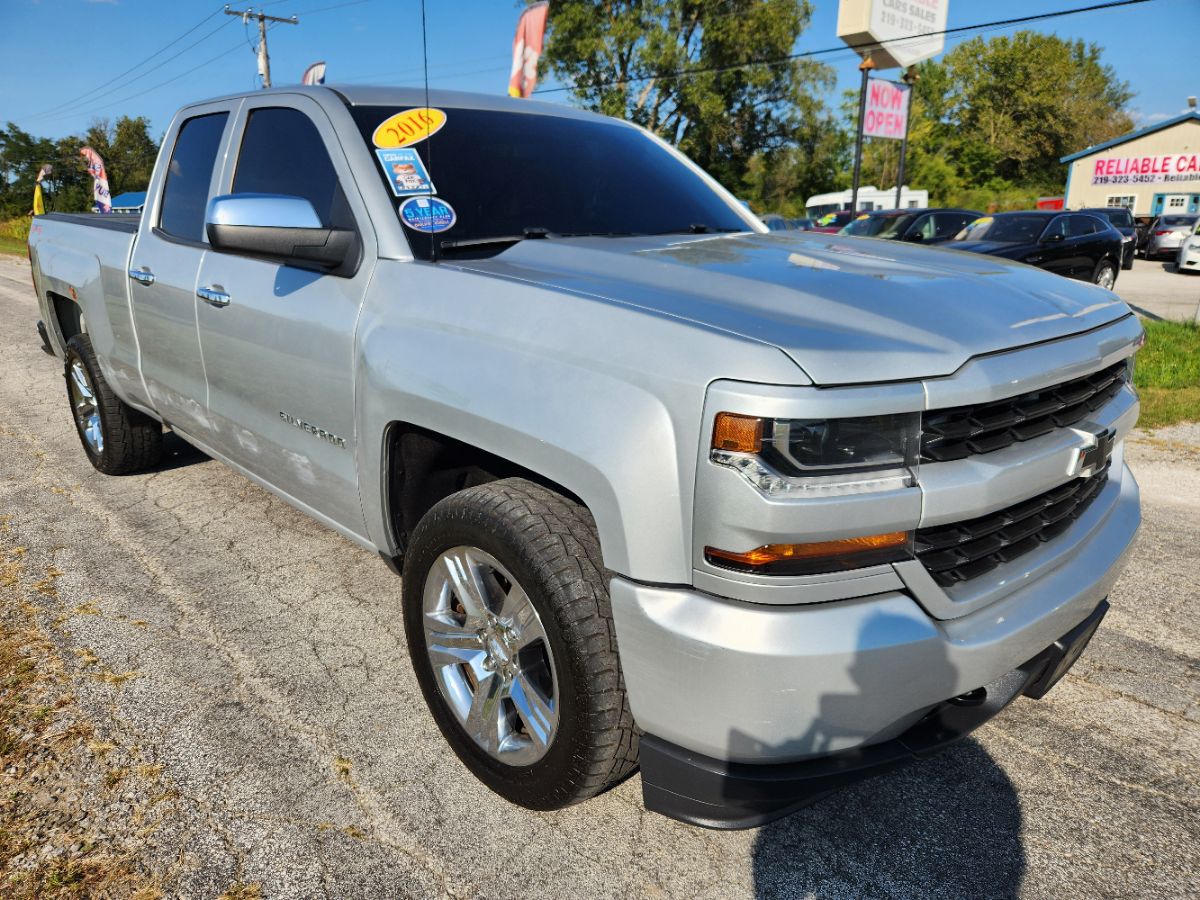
{"x": 947, "y": 224}
{"x": 1080, "y": 226}
{"x": 283, "y": 153}
{"x": 189, "y": 174}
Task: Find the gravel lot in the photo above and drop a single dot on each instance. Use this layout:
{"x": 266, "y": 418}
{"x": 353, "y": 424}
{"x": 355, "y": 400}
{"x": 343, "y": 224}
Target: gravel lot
{"x": 262, "y": 668}
{"x": 1156, "y": 290}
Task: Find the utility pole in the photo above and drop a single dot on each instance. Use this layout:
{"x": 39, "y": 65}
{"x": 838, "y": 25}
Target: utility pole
{"x": 264, "y": 60}
{"x": 909, "y": 78}
{"x": 867, "y": 65}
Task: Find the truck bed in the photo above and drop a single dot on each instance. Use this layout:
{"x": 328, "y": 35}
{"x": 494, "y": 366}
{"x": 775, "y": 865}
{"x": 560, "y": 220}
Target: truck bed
{"x": 124, "y": 222}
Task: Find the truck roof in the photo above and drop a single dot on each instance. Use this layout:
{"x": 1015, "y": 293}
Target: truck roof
{"x": 390, "y": 95}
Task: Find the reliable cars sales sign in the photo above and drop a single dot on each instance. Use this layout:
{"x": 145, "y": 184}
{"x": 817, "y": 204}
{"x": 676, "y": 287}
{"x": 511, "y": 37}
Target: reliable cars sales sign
{"x": 894, "y": 32}
{"x": 1165, "y": 169}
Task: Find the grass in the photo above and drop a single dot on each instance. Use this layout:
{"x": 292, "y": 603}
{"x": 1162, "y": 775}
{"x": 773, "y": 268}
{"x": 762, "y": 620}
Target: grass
{"x": 14, "y": 233}
{"x": 1168, "y": 374}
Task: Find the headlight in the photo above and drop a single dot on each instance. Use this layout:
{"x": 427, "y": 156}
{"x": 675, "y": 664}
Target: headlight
{"x": 815, "y": 457}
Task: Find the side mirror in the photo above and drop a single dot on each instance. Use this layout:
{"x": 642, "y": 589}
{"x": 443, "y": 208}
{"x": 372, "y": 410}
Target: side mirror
{"x": 1053, "y": 238}
{"x": 915, "y": 236}
{"x": 278, "y": 227}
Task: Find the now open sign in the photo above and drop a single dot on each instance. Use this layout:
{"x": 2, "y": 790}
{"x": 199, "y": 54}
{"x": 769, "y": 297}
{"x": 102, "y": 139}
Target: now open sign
{"x": 887, "y": 109}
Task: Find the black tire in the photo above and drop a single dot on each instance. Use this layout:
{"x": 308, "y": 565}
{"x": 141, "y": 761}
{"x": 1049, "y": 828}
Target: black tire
{"x": 1105, "y": 264}
{"x": 550, "y": 546}
{"x": 1127, "y": 261}
{"x": 132, "y": 440}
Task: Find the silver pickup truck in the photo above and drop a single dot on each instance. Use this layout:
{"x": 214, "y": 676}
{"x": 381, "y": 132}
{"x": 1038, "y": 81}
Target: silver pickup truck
{"x": 761, "y": 513}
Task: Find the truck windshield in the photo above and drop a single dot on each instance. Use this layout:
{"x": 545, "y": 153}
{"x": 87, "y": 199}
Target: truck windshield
{"x": 508, "y": 174}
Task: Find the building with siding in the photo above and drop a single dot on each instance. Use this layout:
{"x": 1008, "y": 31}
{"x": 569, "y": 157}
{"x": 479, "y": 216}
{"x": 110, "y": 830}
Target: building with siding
{"x": 1151, "y": 171}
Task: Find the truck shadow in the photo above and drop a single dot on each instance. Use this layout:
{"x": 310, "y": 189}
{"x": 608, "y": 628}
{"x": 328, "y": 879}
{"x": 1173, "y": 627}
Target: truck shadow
{"x": 177, "y": 453}
{"x": 949, "y": 826}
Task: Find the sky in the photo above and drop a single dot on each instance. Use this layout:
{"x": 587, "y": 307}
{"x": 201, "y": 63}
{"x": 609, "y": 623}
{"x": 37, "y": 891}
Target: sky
{"x": 67, "y": 60}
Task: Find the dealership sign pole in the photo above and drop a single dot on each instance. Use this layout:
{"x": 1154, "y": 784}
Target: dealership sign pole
{"x": 910, "y": 75}
{"x": 889, "y": 34}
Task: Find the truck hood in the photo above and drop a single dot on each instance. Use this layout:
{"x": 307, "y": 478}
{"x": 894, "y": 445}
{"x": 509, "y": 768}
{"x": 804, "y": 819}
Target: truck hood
{"x": 846, "y": 310}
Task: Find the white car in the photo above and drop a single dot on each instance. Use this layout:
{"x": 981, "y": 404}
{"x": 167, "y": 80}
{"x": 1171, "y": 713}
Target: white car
{"x": 1188, "y": 259}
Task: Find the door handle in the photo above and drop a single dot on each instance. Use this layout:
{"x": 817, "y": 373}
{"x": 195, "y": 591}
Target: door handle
{"x": 142, "y": 275}
{"x": 213, "y": 296}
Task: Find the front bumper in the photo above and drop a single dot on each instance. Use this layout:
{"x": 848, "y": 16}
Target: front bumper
{"x": 764, "y": 684}
{"x": 718, "y": 794}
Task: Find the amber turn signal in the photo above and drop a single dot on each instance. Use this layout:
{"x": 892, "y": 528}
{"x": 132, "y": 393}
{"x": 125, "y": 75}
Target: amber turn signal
{"x": 737, "y": 434}
{"x": 820, "y": 556}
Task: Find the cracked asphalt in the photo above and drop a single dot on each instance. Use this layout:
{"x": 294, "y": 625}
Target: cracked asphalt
{"x": 258, "y": 658}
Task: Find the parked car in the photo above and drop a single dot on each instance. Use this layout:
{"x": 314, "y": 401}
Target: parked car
{"x": 763, "y": 513}
{"x": 1144, "y": 224}
{"x": 776, "y": 222}
{"x": 804, "y": 224}
{"x": 1188, "y": 260}
{"x": 832, "y": 223}
{"x": 924, "y": 226}
{"x": 1074, "y": 244}
{"x": 1121, "y": 219}
{"x": 1168, "y": 233}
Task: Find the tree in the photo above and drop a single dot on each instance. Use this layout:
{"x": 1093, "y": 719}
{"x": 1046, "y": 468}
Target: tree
{"x": 127, "y": 149}
{"x": 624, "y": 58}
{"x": 1011, "y": 107}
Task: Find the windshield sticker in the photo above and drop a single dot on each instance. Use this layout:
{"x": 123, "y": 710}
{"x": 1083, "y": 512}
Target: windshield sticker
{"x": 405, "y": 172}
{"x": 408, "y": 127}
{"x": 427, "y": 214}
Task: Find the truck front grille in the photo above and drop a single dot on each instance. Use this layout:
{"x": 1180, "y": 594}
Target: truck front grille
{"x": 956, "y": 553}
{"x": 964, "y": 431}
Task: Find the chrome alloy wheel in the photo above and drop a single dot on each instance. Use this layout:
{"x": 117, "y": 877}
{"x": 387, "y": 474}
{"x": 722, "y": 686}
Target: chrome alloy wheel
{"x": 85, "y": 407}
{"x": 490, "y": 655}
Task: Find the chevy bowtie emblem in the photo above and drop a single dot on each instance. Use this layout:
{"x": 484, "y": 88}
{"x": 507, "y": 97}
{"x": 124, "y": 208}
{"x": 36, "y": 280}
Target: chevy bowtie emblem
{"x": 1090, "y": 460}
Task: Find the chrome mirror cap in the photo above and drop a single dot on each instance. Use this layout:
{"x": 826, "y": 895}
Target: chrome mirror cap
{"x": 261, "y": 211}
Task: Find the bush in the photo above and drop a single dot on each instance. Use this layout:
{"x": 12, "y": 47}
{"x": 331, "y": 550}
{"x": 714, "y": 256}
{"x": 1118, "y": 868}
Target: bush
{"x": 16, "y": 229}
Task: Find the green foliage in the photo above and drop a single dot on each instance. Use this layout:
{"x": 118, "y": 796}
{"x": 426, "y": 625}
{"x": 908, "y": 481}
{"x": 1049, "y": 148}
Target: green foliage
{"x": 127, "y": 149}
{"x": 621, "y": 56}
{"x": 14, "y": 234}
{"x": 991, "y": 120}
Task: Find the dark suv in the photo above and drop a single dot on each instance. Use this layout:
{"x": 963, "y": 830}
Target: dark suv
{"x": 1077, "y": 245}
{"x": 1121, "y": 219}
{"x": 926, "y": 226}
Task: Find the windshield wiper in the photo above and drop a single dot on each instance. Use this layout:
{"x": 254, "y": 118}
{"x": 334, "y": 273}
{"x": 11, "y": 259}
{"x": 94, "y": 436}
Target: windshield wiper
{"x": 701, "y": 228}
{"x": 526, "y": 234}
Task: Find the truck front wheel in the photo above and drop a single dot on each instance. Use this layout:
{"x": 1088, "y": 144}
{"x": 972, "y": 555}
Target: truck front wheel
{"x": 510, "y": 631}
{"x": 117, "y": 438}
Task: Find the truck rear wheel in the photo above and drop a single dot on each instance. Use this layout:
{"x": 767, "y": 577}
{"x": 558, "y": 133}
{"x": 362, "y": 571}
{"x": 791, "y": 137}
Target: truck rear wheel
{"x": 117, "y": 438}
{"x": 509, "y": 627}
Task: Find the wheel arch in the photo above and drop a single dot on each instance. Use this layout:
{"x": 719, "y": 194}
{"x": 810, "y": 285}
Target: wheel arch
{"x": 422, "y": 467}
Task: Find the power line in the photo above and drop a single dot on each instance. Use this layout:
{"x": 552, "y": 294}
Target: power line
{"x": 160, "y": 50}
{"x": 78, "y": 106}
{"x": 867, "y": 45}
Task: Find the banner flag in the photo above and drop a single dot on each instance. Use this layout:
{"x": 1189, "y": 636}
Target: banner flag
{"x": 39, "y": 202}
{"x": 314, "y": 74}
{"x": 101, "y": 200}
{"x": 527, "y": 49}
